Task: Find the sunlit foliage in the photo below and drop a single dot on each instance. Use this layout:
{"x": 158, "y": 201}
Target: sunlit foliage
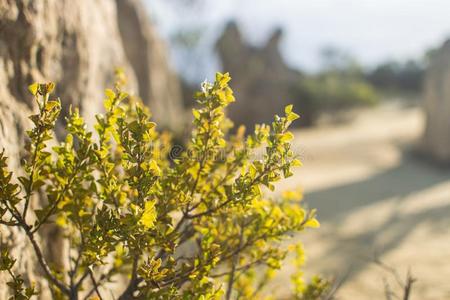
{"x": 191, "y": 224}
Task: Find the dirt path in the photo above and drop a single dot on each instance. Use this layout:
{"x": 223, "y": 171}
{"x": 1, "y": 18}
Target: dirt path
{"x": 373, "y": 198}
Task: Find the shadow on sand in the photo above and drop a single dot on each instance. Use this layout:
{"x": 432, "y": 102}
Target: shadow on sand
{"x": 335, "y": 204}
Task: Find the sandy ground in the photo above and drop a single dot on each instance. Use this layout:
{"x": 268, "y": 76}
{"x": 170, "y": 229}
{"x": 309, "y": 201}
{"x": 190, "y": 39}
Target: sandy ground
{"x": 374, "y": 198}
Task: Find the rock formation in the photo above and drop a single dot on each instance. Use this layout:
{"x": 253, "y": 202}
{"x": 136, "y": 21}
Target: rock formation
{"x": 147, "y": 55}
{"x": 77, "y": 44}
{"x": 261, "y": 79}
{"x": 436, "y": 139}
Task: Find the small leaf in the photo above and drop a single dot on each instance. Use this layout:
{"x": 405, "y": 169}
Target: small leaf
{"x": 148, "y": 217}
{"x": 24, "y": 181}
{"x": 196, "y": 113}
{"x": 252, "y": 171}
{"x": 296, "y": 163}
{"x": 288, "y": 109}
{"x": 293, "y": 195}
{"x": 51, "y": 105}
{"x": 134, "y": 127}
{"x": 108, "y": 103}
{"x": 222, "y": 79}
{"x": 49, "y": 87}
{"x": 292, "y": 116}
{"x": 155, "y": 168}
{"x": 286, "y": 137}
{"x": 33, "y": 88}
{"x": 110, "y": 94}
{"x": 312, "y": 223}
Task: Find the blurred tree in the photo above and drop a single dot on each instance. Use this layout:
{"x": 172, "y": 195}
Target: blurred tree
{"x": 398, "y": 76}
{"x": 339, "y": 85}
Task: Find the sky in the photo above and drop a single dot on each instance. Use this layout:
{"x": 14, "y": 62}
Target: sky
{"x": 372, "y": 31}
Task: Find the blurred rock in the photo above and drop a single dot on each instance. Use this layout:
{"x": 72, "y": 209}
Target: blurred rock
{"x": 147, "y": 55}
{"x": 78, "y": 45}
{"x": 262, "y": 81}
{"x": 436, "y": 139}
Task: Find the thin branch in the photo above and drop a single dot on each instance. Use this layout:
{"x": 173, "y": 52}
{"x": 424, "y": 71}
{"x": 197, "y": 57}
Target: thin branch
{"x": 223, "y": 204}
{"x": 58, "y": 199}
{"x": 14, "y": 212}
{"x": 391, "y": 270}
{"x": 100, "y": 281}
{"x": 234, "y": 264}
{"x": 240, "y": 269}
{"x": 405, "y": 285}
{"x": 82, "y": 278}
{"x": 134, "y": 281}
{"x": 43, "y": 263}
{"x": 337, "y": 284}
{"x": 29, "y": 187}
{"x": 224, "y": 179}
{"x": 408, "y": 286}
{"x": 9, "y": 223}
{"x": 40, "y": 257}
{"x": 95, "y": 285}
{"x": 387, "y": 290}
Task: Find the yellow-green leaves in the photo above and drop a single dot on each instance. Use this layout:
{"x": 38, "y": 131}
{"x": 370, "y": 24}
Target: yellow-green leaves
{"x": 6, "y": 262}
{"x": 126, "y": 194}
{"x": 110, "y": 94}
{"x": 252, "y": 171}
{"x": 196, "y": 113}
{"x": 223, "y": 79}
{"x": 286, "y": 137}
{"x": 153, "y": 167}
{"x": 148, "y": 217}
{"x": 313, "y": 223}
{"x": 311, "y": 220}
{"x": 113, "y": 99}
{"x": 47, "y": 88}
{"x": 41, "y": 88}
{"x": 290, "y": 115}
{"x": 110, "y": 99}
{"x": 33, "y": 88}
{"x": 16, "y": 282}
{"x": 296, "y": 163}
{"x": 293, "y": 195}
{"x": 53, "y": 104}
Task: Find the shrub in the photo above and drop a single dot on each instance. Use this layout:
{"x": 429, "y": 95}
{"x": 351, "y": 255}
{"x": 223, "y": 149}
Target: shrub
{"x": 333, "y": 91}
{"x": 398, "y": 77}
{"x": 169, "y": 225}
{"x": 340, "y": 86}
